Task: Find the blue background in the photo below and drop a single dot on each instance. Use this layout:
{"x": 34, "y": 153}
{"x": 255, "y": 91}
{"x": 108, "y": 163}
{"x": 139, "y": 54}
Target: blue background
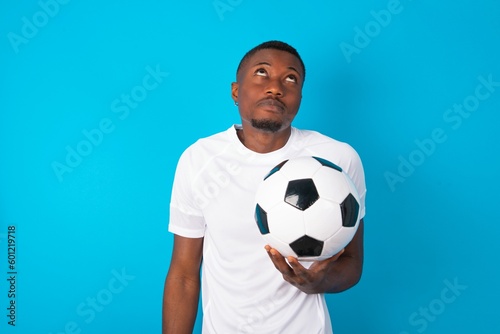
{"x": 92, "y": 243}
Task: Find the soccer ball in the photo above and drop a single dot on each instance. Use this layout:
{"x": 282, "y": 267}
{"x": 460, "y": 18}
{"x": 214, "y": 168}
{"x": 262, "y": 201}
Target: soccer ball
{"x": 307, "y": 207}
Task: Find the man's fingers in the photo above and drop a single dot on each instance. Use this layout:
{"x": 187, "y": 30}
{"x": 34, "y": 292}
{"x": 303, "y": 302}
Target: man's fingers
{"x": 298, "y": 269}
{"x": 279, "y": 261}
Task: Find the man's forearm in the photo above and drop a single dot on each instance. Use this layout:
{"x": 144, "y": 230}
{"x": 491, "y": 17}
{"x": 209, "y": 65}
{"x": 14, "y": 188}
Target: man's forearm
{"x": 346, "y": 271}
{"x": 180, "y": 305}
{"x": 345, "y": 274}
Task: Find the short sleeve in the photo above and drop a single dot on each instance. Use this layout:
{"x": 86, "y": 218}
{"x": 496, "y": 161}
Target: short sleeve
{"x": 354, "y": 168}
{"x": 186, "y": 218}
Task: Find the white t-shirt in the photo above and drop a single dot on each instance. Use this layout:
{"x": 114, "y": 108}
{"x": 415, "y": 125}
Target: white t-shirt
{"x": 213, "y": 197}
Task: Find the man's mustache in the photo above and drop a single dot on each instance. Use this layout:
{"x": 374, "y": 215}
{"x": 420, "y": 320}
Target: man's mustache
{"x": 269, "y": 101}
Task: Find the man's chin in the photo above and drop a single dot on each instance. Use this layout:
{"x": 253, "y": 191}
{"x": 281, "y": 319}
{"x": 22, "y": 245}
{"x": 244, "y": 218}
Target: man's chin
{"x": 267, "y": 125}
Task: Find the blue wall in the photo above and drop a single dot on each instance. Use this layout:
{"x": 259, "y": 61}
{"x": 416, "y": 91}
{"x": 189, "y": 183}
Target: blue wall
{"x": 97, "y": 101}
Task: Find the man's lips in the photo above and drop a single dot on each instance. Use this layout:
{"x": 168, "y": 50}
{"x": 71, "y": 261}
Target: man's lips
{"x": 272, "y": 105}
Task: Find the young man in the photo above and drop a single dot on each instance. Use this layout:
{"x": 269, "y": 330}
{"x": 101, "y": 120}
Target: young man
{"x": 248, "y": 287}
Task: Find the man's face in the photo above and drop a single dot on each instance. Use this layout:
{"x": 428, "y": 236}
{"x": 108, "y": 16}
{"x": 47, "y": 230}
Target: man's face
{"x": 269, "y": 90}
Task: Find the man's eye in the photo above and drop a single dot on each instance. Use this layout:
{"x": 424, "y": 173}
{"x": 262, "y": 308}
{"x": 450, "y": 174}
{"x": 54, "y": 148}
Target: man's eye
{"x": 261, "y": 72}
{"x": 291, "y": 78}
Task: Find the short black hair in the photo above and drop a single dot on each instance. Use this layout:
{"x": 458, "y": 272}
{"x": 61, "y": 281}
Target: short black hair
{"x": 276, "y": 45}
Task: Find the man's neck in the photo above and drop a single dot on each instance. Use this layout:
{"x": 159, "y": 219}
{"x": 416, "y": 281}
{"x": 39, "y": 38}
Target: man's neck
{"x": 263, "y": 141}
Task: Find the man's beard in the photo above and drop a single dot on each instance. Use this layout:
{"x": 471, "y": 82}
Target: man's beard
{"x": 266, "y": 125}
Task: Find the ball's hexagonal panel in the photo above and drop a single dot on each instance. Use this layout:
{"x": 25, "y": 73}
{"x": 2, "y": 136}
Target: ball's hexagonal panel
{"x": 323, "y": 219}
{"x": 331, "y": 184}
{"x": 328, "y": 163}
{"x": 282, "y": 247}
{"x": 275, "y": 169}
{"x": 307, "y": 246}
{"x": 352, "y": 187}
{"x": 301, "y": 193}
{"x": 261, "y": 219}
{"x": 272, "y": 191}
{"x": 300, "y": 168}
{"x": 350, "y": 211}
{"x": 285, "y": 222}
{"x": 338, "y": 241}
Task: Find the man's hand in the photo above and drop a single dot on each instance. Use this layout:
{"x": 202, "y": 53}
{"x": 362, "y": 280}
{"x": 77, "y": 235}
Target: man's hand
{"x": 308, "y": 280}
{"x": 335, "y": 274}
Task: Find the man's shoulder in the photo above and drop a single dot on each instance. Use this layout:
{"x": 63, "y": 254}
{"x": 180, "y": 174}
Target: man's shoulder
{"x": 317, "y": 143}
{"x": 312, "y": 137}
{"x": 205, "y": 148}
{"x": 211, "y": 141}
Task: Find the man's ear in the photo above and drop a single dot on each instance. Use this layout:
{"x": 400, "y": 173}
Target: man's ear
{"x": 234, "y": 91}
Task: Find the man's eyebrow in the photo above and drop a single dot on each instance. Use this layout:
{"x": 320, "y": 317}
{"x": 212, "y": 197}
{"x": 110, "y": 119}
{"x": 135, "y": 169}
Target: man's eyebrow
{"x": 262, "y": 63}
{"x": 294, "y": 69}
{"x": 268, "y": 64}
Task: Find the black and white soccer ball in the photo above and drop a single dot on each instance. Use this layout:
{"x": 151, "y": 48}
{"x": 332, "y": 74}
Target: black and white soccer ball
{"x": 307, "y": 207}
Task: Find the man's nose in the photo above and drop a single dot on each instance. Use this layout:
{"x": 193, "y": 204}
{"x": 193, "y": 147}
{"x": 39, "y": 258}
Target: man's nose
{"x": 275, "y": 88}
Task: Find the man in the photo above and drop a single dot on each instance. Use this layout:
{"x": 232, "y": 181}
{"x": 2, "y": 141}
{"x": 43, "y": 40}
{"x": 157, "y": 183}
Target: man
{"x": 247, "y": 286}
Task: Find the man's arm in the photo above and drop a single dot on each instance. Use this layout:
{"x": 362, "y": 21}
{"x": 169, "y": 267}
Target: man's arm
{"x": 336, "y": 274}
{"x": 182, "y": 286}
